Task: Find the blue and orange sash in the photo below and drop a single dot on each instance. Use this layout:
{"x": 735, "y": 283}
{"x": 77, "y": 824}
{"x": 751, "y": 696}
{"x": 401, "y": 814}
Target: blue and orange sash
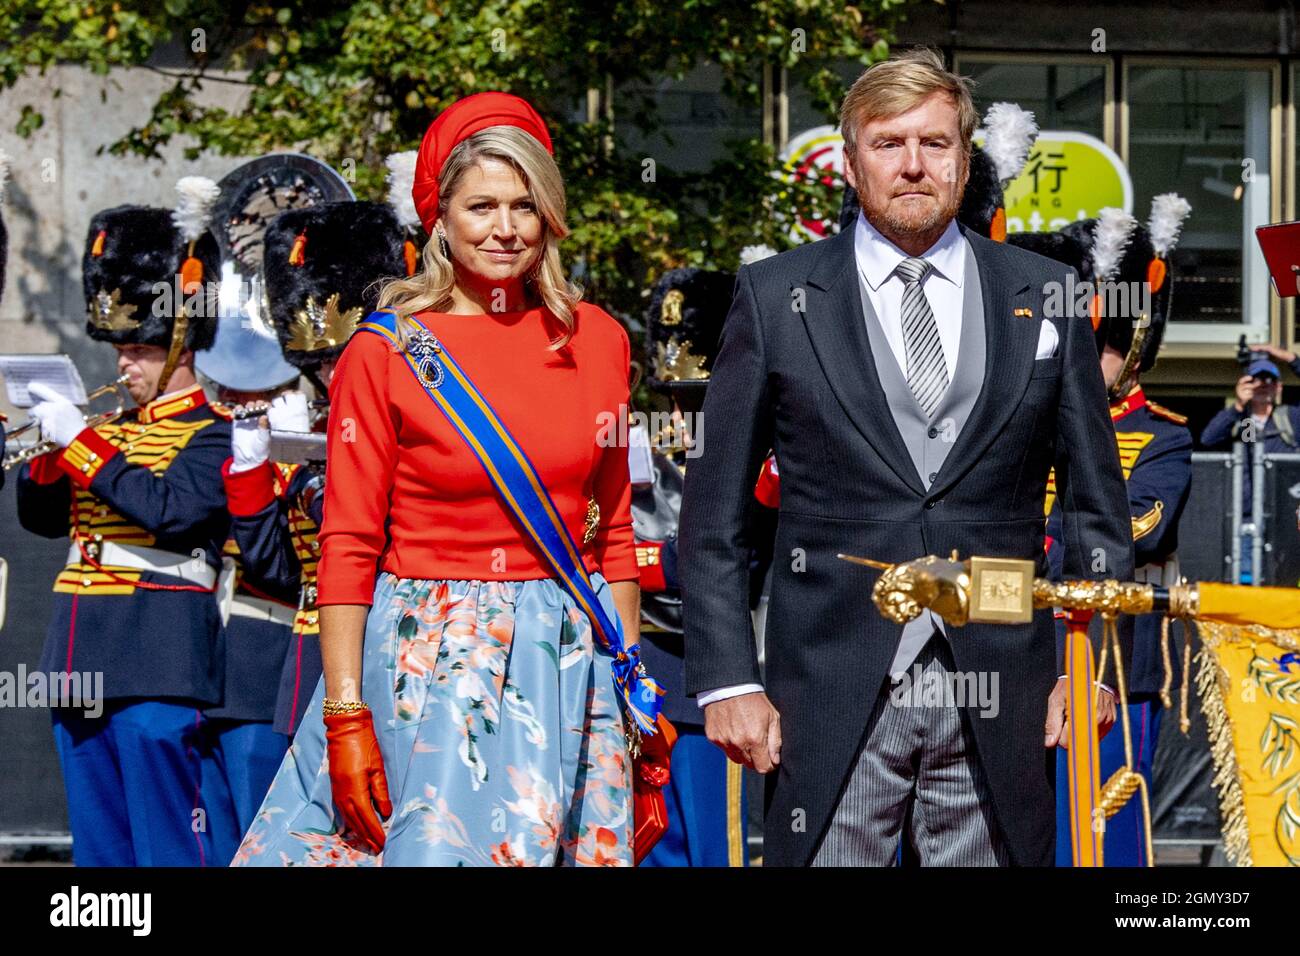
{"x": 515, "y": 479}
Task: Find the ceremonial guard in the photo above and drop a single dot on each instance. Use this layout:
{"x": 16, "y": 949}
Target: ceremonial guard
{"x": 243, "y": 751}
{"x": 244, "y": 747}
{"x": 322, "y": 267}
{"x": 705, "y": 796}
{"x": 1119, "y": 257}
{"x": 141, "y": 498}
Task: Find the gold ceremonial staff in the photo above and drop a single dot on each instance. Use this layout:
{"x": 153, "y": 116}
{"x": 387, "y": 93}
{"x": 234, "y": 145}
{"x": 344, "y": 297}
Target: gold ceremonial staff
{"x": 1240, "y": 628}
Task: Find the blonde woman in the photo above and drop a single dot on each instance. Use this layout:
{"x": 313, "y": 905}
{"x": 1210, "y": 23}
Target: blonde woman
{"x": 471, "y": 714}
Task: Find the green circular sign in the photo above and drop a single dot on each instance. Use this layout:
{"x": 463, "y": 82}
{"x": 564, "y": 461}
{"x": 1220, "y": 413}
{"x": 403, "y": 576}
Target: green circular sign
{"x": 1068, "y": 176}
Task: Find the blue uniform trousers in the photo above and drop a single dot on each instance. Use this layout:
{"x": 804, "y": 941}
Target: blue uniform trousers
{"x": 133, "y": 784}
{"x": 697, "y": 803}
{"x": 1125, "y": 842}
{"x": 240, "y": 760}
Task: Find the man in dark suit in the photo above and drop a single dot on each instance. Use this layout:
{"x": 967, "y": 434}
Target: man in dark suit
{"x": 917, "y": 383}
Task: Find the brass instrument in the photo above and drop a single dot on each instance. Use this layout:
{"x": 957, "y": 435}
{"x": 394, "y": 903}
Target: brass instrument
{"x": 318, "y": 409}
{"x": 38, "y": 448}
{"x": 254, "y": 409}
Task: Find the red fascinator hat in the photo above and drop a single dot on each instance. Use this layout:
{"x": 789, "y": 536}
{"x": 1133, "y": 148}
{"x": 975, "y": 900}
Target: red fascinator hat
{"x": 458, "y": 122}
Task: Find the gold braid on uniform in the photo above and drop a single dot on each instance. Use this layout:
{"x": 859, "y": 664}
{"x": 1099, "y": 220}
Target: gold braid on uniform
{"x": 1166, "y": 700}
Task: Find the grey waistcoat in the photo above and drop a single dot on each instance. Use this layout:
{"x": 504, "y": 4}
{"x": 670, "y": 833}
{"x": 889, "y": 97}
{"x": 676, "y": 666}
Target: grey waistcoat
{"x": 929, "y": 441}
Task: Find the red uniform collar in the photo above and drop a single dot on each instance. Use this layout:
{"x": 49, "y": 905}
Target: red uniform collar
{"x": 1129, "y": 403}
{"x": 177, "y": 403}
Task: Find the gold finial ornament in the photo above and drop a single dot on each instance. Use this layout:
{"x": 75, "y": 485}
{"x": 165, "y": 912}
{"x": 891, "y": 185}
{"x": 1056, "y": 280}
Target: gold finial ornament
{"x": 110, "y": 314}
{"x": 315, "y": 327}
{"x": 903, "y": 590}
{"x": 675, "y": 362}
{"x": 670, "y": 313}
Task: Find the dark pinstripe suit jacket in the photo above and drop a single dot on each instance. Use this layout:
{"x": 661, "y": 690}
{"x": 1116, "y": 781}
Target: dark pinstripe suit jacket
{"x": 795, "y": 374}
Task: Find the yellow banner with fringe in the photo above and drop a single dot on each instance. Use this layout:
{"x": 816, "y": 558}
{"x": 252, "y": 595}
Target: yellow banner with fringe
{"x": 1249, "y": 684}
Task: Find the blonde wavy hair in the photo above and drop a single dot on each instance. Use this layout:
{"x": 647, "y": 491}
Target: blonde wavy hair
{"x": 430, "y": 289}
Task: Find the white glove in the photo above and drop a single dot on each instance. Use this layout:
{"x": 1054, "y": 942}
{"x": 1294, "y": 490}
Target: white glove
{"x": 250, "y": 443}
{"x": 61, "y": 421}
{"x": 288, "y": 412}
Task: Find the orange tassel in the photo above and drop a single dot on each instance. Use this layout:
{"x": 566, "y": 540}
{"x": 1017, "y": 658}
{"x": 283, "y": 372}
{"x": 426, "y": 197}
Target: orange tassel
{"x": 1094, "y": 311}
{"x": 298, "y": 254}
{"x": 998, "y": 228}
{"x": 97, "y": 247}
{"x": 191, "y": 275}
{"x": 408, "y": 250}
{"x": 1156, "y": 272}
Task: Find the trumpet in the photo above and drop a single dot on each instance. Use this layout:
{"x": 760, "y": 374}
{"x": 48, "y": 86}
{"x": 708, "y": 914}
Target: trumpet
{"x": 38, "y": 448}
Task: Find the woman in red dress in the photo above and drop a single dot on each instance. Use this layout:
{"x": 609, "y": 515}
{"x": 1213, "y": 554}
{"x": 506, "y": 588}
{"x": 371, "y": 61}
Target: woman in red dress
{"x": 470, "y": 715}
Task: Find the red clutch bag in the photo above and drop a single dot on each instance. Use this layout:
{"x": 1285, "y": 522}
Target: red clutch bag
{"x": 650, "y": 774}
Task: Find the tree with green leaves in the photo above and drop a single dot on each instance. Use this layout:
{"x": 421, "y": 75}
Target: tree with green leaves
{"x": 359, "y": 80}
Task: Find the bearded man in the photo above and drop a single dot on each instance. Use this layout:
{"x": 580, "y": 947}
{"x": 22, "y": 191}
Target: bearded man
{"x": 917, "y": 390}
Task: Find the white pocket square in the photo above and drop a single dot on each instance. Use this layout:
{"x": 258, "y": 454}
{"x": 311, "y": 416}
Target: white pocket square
{"x": 1047, "y": 340}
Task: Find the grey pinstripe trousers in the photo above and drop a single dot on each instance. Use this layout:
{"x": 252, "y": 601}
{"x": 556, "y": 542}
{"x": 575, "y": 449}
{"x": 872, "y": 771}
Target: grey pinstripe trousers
{"x": 917, "y": 768}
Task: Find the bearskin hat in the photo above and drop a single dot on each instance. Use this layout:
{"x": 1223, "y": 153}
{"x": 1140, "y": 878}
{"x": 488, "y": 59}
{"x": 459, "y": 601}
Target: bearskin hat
{"x": 683, "y": 325}
{"x": 323, "y": 267}
{"x": 139, "y": 272}
{"x": 1114, "y": 248}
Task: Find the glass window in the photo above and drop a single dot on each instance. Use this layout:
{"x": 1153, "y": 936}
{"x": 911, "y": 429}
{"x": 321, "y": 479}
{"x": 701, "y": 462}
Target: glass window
{"x": 1203, "y": 132}
{"x": 1068, "y": 96}
{"x": 696, "y": 119}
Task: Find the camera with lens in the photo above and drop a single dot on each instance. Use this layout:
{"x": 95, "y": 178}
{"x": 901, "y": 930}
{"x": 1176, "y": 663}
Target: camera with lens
{"x": 1246, "y": 355}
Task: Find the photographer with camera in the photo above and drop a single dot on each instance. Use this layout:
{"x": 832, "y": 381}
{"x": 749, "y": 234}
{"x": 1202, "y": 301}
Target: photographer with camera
{"x": 1256, "y": 414}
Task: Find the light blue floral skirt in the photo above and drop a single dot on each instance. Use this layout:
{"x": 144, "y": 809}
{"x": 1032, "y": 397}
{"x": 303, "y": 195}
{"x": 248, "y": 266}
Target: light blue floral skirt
{"x": 500, "y": 730}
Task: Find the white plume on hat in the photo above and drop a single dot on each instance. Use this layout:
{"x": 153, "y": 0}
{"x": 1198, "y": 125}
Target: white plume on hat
{"x": 193, "y": 212}
{"x": 752, "y": 254}
{"x": 1113, "y": 233}
{"x": 401, "y": 180}
{"x": 1009, "y": 134}
{"x": 1168, "y": 210}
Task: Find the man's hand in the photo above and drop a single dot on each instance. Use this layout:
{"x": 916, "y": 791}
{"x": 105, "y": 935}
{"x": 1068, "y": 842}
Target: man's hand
{"x": 1277, "y": 354}
{"x": 289, "y": 412}
{"x": 1245, "y": 391}
{"x": 250, "y": 443}
{"x": 61, "y": 421}
{"x": 1057, "y": 729}
{"x": 747, "y": 728}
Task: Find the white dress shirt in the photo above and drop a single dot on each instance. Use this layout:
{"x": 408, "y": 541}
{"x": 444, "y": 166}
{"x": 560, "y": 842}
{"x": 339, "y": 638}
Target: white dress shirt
{"x": 877, "y": 258}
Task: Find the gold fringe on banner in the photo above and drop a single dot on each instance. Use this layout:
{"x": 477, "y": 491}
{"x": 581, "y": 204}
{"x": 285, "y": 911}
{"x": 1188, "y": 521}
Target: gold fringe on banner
{"x": 1252, "y": 738}
{"x": 1212, "y": 681}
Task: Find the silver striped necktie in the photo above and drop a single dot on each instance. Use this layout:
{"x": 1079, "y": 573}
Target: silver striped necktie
{"x": 927, "y": 373}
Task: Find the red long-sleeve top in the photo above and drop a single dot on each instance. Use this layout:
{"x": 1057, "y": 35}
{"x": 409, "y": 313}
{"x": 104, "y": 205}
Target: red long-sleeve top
{"x": 404, "y": 493}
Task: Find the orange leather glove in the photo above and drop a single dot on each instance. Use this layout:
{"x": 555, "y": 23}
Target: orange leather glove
{"x": 357, "y": 775}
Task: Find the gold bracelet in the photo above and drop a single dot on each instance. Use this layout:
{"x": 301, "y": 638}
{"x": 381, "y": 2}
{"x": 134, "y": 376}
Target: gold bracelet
{"x": 331, "y": 707}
